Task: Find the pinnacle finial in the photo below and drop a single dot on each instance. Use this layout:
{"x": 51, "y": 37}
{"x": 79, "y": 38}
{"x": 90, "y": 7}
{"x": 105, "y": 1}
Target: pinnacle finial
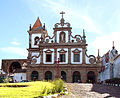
{"x": 113, "y": 45}
{"x": 98, "y": 57}
{"x": 98, "y": 53}
{"x": 83, "y": 32}
{"x": 44, "y": 26}
{"x": 30, "y": 28}
{"x": 62, "y": 13}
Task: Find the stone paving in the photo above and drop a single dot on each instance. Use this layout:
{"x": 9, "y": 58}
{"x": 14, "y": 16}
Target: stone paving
{"x": 82, "y": 90}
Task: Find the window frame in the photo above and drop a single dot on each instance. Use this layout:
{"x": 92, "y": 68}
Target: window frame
{"x": 48, "y": 52}
{"x": 64, "y": 57}
{"x": 74, "y": 57}
{"x": 76, "y": 51}
{"x": 46, "y": 57}
{"x": 62, "y": 51}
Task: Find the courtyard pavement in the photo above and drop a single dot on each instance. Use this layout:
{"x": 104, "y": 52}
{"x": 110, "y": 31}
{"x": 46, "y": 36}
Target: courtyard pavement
{"x": 82, "y": 90}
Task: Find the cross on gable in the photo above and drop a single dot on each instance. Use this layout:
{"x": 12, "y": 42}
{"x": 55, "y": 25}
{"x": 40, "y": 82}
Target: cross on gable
{"x": 62, "y": 13}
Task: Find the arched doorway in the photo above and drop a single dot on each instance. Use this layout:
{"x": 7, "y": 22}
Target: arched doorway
{"x": 76, "y": 76}
{"x": 63, "y": 76}
{"x": 91, "y": 77}
{"x": 48, "y": 75}
{"x": 14, "y": 66}
{"x": 34, "y": 75}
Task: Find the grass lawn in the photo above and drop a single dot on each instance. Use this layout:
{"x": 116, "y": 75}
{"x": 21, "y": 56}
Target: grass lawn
{"x": 32, "y": 89}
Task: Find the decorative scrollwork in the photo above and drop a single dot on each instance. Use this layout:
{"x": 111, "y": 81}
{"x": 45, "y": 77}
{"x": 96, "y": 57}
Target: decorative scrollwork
{"x": 34, "y": 58}
{"x": 50, "y": 37}
{"x": 47, "y": 40}
{"x": 62, "y": 23}
{"x": 56, "y": 25}
{"x": 92, "y": 58}
{"x": 78, "y": 38}
{"x": 68, "y": 24}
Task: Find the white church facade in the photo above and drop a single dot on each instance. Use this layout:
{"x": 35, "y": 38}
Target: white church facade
{"x": 59, "y": 56}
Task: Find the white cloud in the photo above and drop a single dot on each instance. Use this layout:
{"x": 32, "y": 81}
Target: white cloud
{"x": 15, "y": 43}
{"x": 105, "y": 42}
{"x": 78, "y": 17}
{"x": 15, "y": 50}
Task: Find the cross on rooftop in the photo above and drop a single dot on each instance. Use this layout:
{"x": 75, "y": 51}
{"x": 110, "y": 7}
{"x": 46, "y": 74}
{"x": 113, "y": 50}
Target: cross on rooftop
{"x": 62, "y": 13}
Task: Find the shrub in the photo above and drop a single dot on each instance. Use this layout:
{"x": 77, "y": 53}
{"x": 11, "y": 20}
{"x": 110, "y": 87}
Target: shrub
{"x": 1, "y": 79}
{"x": 59, "y": 85}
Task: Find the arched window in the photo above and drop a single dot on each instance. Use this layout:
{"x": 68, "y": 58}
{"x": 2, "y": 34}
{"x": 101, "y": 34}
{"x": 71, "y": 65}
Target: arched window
{"x": 36, "y": 39}
{"x": 34, "y": 75}
{"x": 48, "y": 75}
{"x": 76, "y": 76}
{"x": 14, "y": 66}
{"x": 91, "y": 77}
{"x": 62, "y": 37}
{"x": 63, "y": 76}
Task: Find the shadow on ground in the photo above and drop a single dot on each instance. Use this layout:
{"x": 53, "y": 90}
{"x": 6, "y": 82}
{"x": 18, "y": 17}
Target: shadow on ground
{"x": 113, "y": 91}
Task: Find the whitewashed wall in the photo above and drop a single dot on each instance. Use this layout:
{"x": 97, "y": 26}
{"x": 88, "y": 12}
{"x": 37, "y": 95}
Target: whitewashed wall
{"x": 36, "y": 54}
{"x": 72, "y": 56}
{"x": 44, "y": 57}
{"x": 105, "y": 74}
{"x": 116, "y": 70}
{"x": 32, "y": 40}
{"x": 87, "y": 60}
{"x": 74, "y": 39}
{"x": 17, "y": 77}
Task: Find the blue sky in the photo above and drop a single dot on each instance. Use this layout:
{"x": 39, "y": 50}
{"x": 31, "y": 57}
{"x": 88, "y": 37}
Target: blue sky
{"x": 99, "y": 18}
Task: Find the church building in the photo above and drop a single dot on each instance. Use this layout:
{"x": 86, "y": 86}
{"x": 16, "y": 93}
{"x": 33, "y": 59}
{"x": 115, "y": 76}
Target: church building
{"x": 61, "y": 55}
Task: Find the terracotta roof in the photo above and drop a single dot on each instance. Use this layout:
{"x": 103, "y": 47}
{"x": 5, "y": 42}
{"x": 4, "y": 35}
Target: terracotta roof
{"x": 37, "y": 24}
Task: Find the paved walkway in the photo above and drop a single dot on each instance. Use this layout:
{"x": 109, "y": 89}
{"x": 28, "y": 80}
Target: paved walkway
{"x": 81, "y": 90}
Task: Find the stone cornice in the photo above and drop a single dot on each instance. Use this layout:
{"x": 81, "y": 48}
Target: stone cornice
{"x": 66, "y": 66}
{"x": 62, "y": 44}
{"x": 62, "y": 28}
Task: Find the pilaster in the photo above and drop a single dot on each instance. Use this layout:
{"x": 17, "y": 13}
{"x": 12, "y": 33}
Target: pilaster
{"x": 29, "y": 40}
{"x": 83, "y": 55}
{"x": 41, "y": 61}
{"x": 41, "y": 75}
{"x": 69, "y": 32}
{"x": 55, "y": 36}
{"x": 69, "y": 55}
{"x": 55, "y": 55}
{"x": 69, "y": 76}
{"x": 83, "y": 76}
{"x": 28, "y": 75}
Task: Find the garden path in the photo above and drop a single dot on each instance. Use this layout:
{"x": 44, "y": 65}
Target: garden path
{"x": 82, "y": 90}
